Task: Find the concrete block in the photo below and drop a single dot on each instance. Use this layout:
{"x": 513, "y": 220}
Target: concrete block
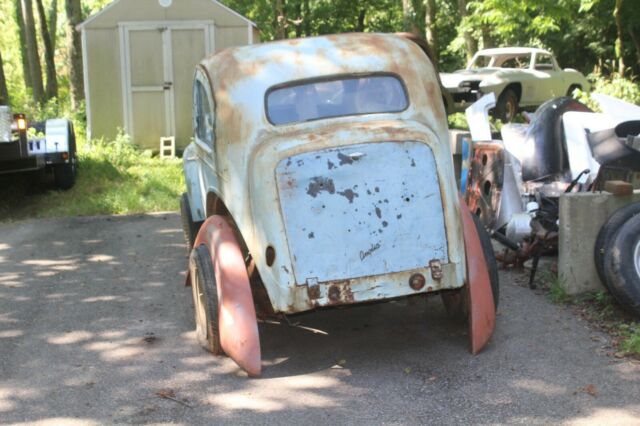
{"x": 581, "y": 217}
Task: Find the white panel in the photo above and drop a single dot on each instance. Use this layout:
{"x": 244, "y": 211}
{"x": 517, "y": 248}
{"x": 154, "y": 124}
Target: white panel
{"x": 363, "y": 210}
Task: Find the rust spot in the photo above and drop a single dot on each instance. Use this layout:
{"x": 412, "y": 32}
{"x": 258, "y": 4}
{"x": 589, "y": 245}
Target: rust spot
{"x": 334, "y": 293}
{"x": 417, "y": 281}
{"x": 311, "y": 235}
{"x": 378, "y": 212}
{"x": 330, "y": 165}
{"x": 314, "y": 292}
{"x": 348, "y": 194}
{"x": 344, "y": 159}
{"x": 320, "y": 184}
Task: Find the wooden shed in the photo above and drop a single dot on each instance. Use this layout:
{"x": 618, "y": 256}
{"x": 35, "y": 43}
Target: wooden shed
{"x": 139, "y": 58}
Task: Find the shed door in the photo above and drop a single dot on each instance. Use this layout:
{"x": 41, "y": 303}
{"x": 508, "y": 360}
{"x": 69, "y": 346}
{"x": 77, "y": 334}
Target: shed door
{"x": 159, "y": 64}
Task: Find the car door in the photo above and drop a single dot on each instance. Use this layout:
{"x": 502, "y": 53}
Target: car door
{"x": 204, "y": 132}
{"x": 552, "y": 82}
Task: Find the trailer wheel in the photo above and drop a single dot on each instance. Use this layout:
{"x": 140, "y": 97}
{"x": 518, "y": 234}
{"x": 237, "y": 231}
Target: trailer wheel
{"x": 205, "y": 300}
{"x": 189, "y": 227}
{"x": 65, "y": 174}
{"x": 622, "y": 265}
{"x": 608, "y": 231}
{"x": 456, "y": 301}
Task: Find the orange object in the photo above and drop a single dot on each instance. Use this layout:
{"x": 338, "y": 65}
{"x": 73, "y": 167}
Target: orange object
{"x": 236, "y": 312}
{"x": 482, "y": 311}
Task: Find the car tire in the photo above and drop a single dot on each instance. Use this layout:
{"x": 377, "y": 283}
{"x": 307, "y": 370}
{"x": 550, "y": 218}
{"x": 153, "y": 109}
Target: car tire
{"x": 622, "y": 265}
{"x": 189, "y": 227}
{"x": 506, "y": 106}
{"x": 572, "y": 88}
{"x": 205, "y": 300}
{"x": 456, "y": 301}
{"x": 608, "y": 231}
{"x": 64, "y": 175}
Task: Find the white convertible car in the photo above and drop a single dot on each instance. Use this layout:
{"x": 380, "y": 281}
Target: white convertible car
{"x": 520, "y": 77}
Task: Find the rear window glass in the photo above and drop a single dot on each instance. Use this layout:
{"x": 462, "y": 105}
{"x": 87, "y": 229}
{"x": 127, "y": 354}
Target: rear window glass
{"x": 336, "y": 98}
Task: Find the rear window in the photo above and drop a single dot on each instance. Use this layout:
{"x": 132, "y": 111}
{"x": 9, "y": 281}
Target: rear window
{"x": 335, "y": 98}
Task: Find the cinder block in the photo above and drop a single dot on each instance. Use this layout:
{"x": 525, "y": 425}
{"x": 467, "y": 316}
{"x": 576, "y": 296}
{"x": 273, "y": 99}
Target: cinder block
{"x": 581, "y": 217}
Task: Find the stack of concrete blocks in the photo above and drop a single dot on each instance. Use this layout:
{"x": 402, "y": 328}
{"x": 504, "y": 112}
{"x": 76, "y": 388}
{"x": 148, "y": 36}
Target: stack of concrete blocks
{"x": 581, "y": 217}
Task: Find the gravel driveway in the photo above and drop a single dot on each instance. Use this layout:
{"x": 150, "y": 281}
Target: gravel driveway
{"x": 96, "y": 328}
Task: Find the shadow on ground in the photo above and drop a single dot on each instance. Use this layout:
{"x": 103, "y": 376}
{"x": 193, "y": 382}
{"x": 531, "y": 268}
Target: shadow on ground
{"x": 95, "y": 324}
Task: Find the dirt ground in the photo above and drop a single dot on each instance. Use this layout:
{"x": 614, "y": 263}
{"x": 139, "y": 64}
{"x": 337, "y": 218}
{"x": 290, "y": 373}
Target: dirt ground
{"x": 96, "y": 328}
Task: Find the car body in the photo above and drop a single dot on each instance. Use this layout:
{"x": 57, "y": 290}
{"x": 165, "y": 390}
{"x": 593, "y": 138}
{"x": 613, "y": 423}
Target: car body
{"x": 520, "y": 77}
{"x": 325, "y": 164}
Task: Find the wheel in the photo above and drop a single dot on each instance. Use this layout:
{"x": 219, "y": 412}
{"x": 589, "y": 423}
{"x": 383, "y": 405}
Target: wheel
{"x": 507, "y": 106}
{"x": 490, "y": 259}
{"x": 572, "y": 88}
{"x": 608, "y": 230}
{"x": 189, "y": 227}
{"x": 622, "y": 265}
{"x": 65, "y": 174}
{"x": 456, "y": 301}
{"x": 205, "y": 300}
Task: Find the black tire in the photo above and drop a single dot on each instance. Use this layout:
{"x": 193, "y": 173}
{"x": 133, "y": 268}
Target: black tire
{"x": 608, "y": 231}
{"x": 506, "y": 106}
{"x": 490, "y": 259}
{"x": 456, "y": 301}
{"x": 205, "y": 300}
{"x": 65, "y": 174}
{"x": 572, "y": 88}
{"x": 622, "y": 265}
{"x": 189, "y": 227}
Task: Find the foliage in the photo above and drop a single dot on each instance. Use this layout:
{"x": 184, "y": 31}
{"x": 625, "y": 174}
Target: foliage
{"x": 614, "y": 85}
{"x": 114, "y": 177}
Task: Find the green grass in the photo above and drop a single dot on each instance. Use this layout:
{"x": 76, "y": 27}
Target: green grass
{"x": 113, "y": 178}
{"x": 601, "y": 311}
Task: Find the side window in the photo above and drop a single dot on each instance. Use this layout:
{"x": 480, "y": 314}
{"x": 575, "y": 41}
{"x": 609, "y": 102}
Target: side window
{"x": 203, "y": 119}
{"x": 544, "y": 62}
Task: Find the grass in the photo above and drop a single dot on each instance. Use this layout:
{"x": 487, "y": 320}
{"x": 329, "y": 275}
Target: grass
{"x": 601, "y": 311}
{"x": 113, "y": 178}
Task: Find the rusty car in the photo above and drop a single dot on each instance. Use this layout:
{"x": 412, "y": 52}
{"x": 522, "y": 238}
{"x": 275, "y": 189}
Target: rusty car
{"x": 321, "y": 175}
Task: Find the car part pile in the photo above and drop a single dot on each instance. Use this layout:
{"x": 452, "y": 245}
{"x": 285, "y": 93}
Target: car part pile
{"x": 513, "y": 185}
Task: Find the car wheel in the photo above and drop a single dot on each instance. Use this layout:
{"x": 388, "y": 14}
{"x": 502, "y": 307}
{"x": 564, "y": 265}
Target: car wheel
{"x": 456, "y": 301}
{"x": 507, "y": 106}
{"x": 65, "y": 174}
{"x": 572, "y": 88}
{"x": 205, "y": 300}
{"x": 189, "y": 227}
{"x": 622, "y": 265}
{"x": 608, "y": 231}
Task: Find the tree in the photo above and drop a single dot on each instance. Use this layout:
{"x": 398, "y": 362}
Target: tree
{"x": 33, "y": 58}
{"x": 22, "y": 36}
{"x": 430, "y": 26}
{"x": 74, "y": 47}
{"x": 471, "y": 44}
{"x": 51, "y": 90}
{"x": 619, "y": 31}
{"x": 4, "y": 93}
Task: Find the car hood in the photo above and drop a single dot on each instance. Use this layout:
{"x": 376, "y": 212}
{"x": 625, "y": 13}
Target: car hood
{"x": 453, "y": 80}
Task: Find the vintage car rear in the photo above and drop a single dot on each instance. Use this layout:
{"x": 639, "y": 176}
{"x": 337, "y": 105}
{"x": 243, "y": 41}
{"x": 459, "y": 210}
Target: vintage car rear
{"x": 330, "y": 159}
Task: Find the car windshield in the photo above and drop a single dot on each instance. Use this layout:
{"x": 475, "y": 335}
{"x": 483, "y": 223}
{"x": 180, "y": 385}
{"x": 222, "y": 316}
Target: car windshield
{"x": 501, "y": 61}
{"x": 335, "y": 98}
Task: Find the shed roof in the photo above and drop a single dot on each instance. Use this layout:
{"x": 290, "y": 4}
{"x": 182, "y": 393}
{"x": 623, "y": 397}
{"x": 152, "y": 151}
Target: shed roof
{"x": 96, "y": 17}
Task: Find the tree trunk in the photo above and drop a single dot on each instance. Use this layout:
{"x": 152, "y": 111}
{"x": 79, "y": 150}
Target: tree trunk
{"x": 619, "y": 51}
{"x": 53, "y": 23}
{"x": 470, "y": 43}
{"x": 74, "y": 47}
{"x": 407, "y": 15}
{"x": 361, "y": 15}
{"x": 4, "y": 93}
{"x": 26, "y": 71}
{"x": 636, "y": 42}
{"x": 306, "y": 16}
{"x": 430, "y": 27}
{"x": 487, "y": 40}
{"x": 51, "y": 90}
{"x": 32, "y": 52}
{"x": 280, "y": 20}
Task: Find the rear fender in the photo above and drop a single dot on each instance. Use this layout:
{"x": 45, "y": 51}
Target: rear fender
{"x": 482, "y": 311}
{"x": 237, "y": 321}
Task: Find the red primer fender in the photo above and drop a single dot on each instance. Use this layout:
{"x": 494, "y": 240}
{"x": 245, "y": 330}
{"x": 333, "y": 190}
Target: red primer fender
{"x": 482, "y": 311}
{"x": 237, "y": 321}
